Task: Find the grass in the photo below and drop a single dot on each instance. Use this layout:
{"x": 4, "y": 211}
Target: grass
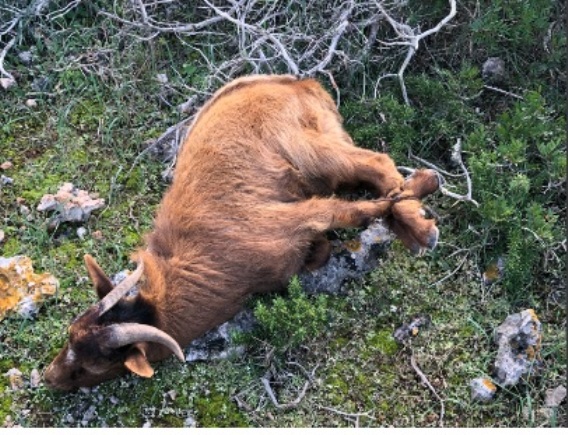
{"x": 90, "y": 127}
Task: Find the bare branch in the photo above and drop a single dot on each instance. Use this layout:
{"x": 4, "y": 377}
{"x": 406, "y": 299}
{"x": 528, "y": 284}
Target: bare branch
{"x": 457, "y": 158}
{"x": 11, "y": 80}
{"x": 412, "y": 40}
{"x": 502, "y": 91}
{"x": 426, "y": 382}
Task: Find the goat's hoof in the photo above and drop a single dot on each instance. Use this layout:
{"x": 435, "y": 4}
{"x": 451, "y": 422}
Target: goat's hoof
{"x": 433, "y": 238}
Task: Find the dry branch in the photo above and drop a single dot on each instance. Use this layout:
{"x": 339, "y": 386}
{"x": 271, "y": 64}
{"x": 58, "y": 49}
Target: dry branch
{"x": 408, "y": 37}
{"x": 456, "y": 158}
{"x": 426, "y": 382}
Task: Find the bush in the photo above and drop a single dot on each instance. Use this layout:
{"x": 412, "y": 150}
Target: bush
{"x": 286, "y": 322}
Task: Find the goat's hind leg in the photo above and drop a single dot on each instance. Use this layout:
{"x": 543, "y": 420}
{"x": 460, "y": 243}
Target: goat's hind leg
{"x": 347, "y": 164}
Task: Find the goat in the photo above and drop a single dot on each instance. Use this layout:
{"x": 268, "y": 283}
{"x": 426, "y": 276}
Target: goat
{"x": 251, "y": 200}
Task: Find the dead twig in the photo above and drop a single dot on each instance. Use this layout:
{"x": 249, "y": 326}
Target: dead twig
{"x": 426, "y": 382}
{"x": 456, "y": 158}
{"x": 409, "y": 38}
{"x": 350, "y": 416}
{"x": 502, "y": 91}
{"x": 266, "y": 384}
{"x": 10, "y": 78}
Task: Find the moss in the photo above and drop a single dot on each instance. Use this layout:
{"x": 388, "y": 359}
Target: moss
{"x": 5, "y": 405}
{"x": 11, "y": 247}
{"x": 67, "y": 254}
{"x": 217, "y": 410}
{"x": 383, "y": 342}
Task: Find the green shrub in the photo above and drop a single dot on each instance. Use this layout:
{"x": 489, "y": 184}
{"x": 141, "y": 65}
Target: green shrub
{"x": 517, "y": 169}
{"x": 287, "y": 321}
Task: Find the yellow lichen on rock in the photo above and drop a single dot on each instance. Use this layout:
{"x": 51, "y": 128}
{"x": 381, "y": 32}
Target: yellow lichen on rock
{"x": 21, "y": 289}
{"x": 489, "y": 385}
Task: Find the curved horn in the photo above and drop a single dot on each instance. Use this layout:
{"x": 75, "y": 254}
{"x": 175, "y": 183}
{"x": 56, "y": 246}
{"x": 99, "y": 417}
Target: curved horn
{"x": 128, "y": 333}
{"x": 120, "y": 290}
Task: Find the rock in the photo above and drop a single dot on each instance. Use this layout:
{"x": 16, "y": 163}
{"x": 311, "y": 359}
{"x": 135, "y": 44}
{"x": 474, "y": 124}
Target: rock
{"x": 162, "y": 78}
{"x": 409, "y": 330}
{"x": 89, "y": 415}
{"x": 21, "y": 289}
{"x": 81, "y": 232}
{"x": 217, "y": 344}
{"x": 4, "y": 181}
{"x": 7, "y": 82}
{"x": 554, "y": 397}
{"x": 25, "y": 57}
{"x": 1, "y": 236}
{"x": 15, "y": 378}
{"x": 35, "y": 378}
{"x": 190, "y": 422}
{"x": 482, "y": 389}
{"x": 349, "y": 261}
{"x": 71, "y": 204}
{"x": 493, "y": 71}
{"x": 6, "y": 165}
{"x": 30, "y": 102}
{"x": 519, "y": 340}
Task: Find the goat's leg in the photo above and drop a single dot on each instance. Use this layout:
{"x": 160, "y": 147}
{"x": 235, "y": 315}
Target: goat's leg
{"x": 342, "y": 163}
{"x": 317, "y": 215}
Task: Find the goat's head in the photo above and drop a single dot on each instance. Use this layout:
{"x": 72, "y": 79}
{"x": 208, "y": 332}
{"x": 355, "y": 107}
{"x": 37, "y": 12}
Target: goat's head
{"x": 100, "y": 349}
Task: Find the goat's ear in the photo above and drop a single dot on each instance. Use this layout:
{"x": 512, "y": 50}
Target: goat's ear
{"x": 137, "y": 362}
{"x": 102, "y": 283}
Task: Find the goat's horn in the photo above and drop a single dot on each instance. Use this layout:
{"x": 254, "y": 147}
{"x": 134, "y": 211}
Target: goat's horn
{"x": 128, "y": 333}
{"x": 120, "y": 290}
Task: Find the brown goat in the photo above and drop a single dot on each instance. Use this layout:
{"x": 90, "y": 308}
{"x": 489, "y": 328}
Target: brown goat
{"x": 249, "y": 206}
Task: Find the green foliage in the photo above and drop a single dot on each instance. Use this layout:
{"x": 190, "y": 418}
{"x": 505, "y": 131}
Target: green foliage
{"x": 517, "y": 168}
{"x": 288, "y": 321}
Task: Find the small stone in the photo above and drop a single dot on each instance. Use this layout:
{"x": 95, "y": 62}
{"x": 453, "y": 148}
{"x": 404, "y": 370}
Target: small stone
{"x": 114, "y": 400}
{"x": 16, "y": 379}
{"x": 162, "y": 78}
{"x": 35, "y": 378}
{"x": 25, "y": 210}
{"x": 1, "y": 236}
{"x": 147, "y": 425}
{"x": 6, "y": 165}
{"x": 30, "y": 102}
{"x": 81, "y": 232}
{"x": 493, "y": 71}
{"x": 6, "y": 180}
{"x": 85, "y": 390}
{"x": 7, "y": 82}
{"x": 554, "y": 397}
{"x": 188, "y": 106}
{"x": 172, "y": 394}
{"x": 90, "y": 414}
{"x": 97, "y": 235}
{"x": 190, "y": 422}
{"x": 25, "y": 57}
{"x": 482, "y": 389}
{"x": 408, "y": 330}
{"x": 20, "y": 200}
{"x": 69, "y": 419}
